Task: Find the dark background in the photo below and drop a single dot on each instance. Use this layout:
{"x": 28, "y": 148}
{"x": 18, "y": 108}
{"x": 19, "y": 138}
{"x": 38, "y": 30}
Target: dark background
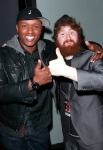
{"x": 8, "y": 12}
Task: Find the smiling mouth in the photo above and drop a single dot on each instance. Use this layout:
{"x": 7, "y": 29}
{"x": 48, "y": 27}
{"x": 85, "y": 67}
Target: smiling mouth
{"x": 68, "y": 43}
{"x": 29, "y": 38}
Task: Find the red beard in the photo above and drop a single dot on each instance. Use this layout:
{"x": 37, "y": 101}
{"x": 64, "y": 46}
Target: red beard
{"x": 69, "y": 50}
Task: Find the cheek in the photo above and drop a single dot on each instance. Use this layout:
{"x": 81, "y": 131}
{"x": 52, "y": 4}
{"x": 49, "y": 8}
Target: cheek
{"x": 21, "y": 32}
{"x": 37, "y": 35}
{"x": 74, "y": 38}
{"x": 37, "y": 32}
{"x": 60, "y": 40}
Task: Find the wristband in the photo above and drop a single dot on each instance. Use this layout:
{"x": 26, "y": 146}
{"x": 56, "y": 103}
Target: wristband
{"x": 35, "y": 86}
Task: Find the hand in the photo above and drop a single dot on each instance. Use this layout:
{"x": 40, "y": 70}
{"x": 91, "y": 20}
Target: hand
{"x": 95, "y": 48}
{"x": 4, "y": 45}
{"x": 42, "y": 76}
{"x": 56, "y": 66}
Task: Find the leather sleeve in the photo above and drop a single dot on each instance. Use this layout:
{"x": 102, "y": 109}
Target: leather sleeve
{"x": 16, "y": 92}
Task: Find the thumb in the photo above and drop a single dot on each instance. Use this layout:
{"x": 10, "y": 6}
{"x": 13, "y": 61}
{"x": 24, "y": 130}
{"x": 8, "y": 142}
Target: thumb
{"x": 39, "y": 64}
{"x": 58, "y": 54}
{"x": 87, "y": 44}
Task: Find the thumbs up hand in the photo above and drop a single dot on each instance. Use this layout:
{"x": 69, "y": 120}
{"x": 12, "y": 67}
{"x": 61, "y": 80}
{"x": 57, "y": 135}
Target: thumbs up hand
{"x": 42, "y": 75}
{"x": 56, "y": 66}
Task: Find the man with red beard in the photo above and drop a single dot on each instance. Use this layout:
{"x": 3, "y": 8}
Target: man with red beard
{"x": 80, "y": 88}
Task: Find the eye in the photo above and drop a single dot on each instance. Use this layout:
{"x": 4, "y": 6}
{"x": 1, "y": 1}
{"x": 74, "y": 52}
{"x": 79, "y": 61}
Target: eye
{"x": 36, "y": 26}
{"x": 72, "y": 32}
{"x": 62, "y": 34}
{"x": 24, "y": 26}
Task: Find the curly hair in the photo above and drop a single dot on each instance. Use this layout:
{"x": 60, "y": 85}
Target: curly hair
{"x": 65, "y": 20}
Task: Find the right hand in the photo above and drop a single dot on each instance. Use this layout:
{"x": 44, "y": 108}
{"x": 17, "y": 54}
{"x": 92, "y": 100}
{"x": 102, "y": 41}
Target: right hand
{"x": 42, "y": 76}
{"x": 57, "y": 66}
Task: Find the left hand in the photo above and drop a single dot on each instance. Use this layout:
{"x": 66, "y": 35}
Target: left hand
{"x": 4, "y": 45}
{"x": 95, "y": 48}
{"x": 56, "y": 66}
{"x": 42, "y": 75}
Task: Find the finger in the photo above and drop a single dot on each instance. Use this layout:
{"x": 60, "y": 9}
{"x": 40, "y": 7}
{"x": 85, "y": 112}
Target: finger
{"x": 39, "y": 64}
{"x": 87, "y": 43}
{"x": 95, "y": 57}
{"x": 58, "y": 54}
{"x": 46, "y": 68}
{"x": 90, "y": 46}
{"x": 100, "y": 50}
{"x": 101, "y": 55}
{"x": 4, "y": 45}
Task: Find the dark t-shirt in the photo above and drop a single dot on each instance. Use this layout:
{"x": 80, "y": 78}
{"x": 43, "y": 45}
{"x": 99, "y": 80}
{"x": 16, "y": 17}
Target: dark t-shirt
{"x": 65, "y": 92}
{"x": 43, "y": 94}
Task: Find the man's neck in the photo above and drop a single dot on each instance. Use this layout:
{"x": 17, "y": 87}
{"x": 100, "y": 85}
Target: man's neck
{"x": 68, "y": 57}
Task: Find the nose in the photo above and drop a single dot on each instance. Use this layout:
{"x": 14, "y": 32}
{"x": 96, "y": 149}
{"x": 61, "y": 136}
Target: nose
{"x": 30, "y": 29}
{"x": 68, "y": 36}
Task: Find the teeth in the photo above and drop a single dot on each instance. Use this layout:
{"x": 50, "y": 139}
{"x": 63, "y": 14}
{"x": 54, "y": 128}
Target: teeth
{"x": 29, "y": 37}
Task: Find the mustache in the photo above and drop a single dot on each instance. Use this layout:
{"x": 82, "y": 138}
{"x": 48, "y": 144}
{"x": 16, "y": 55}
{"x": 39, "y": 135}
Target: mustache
{"x": 67, "y": 41}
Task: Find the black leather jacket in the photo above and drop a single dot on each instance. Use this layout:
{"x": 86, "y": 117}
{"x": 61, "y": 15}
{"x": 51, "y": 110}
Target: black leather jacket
{"x": 14, "y": 92}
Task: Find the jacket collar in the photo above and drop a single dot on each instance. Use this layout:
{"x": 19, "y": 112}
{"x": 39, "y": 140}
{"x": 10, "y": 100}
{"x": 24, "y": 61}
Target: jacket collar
{"x": 76, "y": 58}
{"x": 14, "y": 43}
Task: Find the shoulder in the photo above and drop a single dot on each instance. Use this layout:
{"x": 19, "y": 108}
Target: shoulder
{"x": 49, "y": 43}
{"x": 7, "y": 52}
{"x": 83, "y": 57}
{"x": 85, "y": 52}
{"x": 3, "y": 50}
{"x": 6, "y": 49}
{"x": 49, "y": 49}
{"x": 4, "y": 53}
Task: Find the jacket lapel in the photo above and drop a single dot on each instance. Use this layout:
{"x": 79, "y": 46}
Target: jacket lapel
{"x": 41, "y": 46}
{"x": 76, "y": 59}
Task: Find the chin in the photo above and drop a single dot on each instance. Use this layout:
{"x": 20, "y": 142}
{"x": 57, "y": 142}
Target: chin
{"x": 30, "y": 43}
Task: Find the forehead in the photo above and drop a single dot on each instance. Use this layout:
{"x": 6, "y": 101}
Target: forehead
{"x": 63, "y": 28}
{"x": 34, "y": 21}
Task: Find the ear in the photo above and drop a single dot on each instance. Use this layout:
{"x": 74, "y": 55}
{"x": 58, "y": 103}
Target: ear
{"x": 42, "y": 29}
{"x": 17, "y": 28}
